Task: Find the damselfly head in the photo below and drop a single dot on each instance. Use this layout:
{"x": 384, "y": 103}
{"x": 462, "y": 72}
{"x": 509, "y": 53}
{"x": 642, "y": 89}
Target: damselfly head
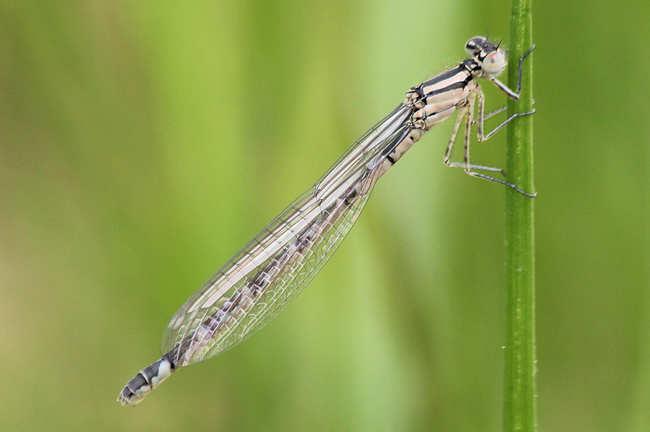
{"x": 491, "y": 57}
{"x": 494, "y": 62}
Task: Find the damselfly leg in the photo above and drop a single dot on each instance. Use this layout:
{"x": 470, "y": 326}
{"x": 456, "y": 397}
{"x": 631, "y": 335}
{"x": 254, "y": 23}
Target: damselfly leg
{"x": 466, "y": 113}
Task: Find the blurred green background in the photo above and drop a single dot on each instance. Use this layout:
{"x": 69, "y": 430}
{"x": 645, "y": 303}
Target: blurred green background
{"x": 143, "y": 143}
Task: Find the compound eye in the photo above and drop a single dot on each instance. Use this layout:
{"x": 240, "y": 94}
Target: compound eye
{"x": 494, "y": 63}
{"x": 475, "y": 45}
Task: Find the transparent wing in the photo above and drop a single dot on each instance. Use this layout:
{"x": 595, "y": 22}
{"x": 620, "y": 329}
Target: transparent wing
{"x": 277, "y": 264}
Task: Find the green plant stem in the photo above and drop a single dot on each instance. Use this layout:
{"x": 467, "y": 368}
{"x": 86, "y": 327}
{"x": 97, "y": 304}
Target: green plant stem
{"x": 519, "y": 410}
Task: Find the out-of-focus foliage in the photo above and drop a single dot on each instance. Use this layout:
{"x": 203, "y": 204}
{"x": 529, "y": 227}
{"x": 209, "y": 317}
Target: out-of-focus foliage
{"x": 143, "y": 142}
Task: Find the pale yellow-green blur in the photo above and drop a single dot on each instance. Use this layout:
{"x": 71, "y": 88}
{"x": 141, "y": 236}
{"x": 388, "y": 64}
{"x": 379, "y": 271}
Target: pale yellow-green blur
{"x": 142, "y": 143}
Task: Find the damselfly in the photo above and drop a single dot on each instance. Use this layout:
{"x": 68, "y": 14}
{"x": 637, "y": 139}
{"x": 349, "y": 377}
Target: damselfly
{"x": 277, "y": 264}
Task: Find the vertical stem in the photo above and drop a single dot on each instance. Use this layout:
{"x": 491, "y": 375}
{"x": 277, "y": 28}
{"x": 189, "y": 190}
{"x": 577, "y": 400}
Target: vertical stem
{"x": 519, "y": 411}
